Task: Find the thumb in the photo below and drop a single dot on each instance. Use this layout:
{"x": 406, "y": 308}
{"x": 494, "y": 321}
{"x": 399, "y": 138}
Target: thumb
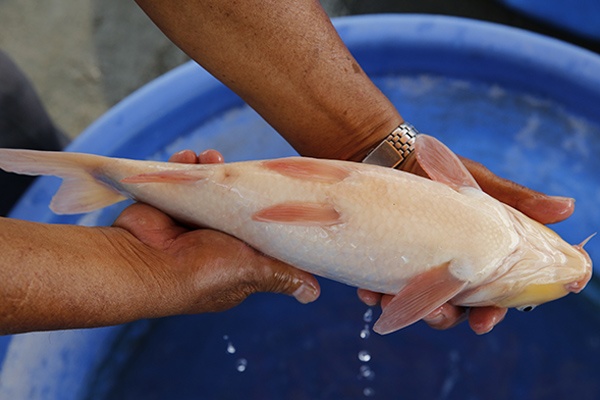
{"x": 271, "y": 275}
{"x": 148, "y": 224}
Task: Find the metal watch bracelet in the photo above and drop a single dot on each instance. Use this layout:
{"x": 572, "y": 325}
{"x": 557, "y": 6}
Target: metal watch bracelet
{"x": 395, "y": 148}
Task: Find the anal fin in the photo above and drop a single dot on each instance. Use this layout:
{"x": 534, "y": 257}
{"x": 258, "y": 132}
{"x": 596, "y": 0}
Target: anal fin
{"x": 82, "y": 194}
{"x": 419, "y": 297}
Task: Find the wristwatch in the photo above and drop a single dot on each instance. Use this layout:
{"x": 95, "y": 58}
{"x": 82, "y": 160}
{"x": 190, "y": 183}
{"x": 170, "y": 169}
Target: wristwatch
{"x": 395, "y": 148}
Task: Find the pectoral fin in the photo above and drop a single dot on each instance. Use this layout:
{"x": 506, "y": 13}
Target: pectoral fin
{"x": 421, "y": 295}
{"x": 441, "y": 164}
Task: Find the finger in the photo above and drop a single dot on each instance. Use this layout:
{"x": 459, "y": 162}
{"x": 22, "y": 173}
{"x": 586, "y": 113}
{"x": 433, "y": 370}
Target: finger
{"x": 543, "y": 208}
{"x": 211, "y": 157}
{"x": 446, "y": 316}
{"x": 368, "y": 297}
{"x": 184, "y": 157}
{"x": 483, "y": 319}
{"x": 274, "y": 276}
{"x": 149, "y": 225}
{"x": 385, "y": 300}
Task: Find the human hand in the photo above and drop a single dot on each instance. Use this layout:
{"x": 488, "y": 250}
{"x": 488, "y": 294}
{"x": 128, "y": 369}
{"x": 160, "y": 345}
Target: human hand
{"x": 202, "y": 270}
{"x": 536, "y": 205}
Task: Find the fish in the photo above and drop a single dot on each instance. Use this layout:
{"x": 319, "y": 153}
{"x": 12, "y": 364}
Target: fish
{"x": 425, "y": 241}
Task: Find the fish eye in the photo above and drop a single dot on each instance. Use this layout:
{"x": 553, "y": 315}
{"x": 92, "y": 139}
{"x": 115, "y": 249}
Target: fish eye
{"x": 526, "y": 308}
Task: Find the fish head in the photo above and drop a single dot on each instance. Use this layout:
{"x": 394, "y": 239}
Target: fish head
{"x": 543, "y": 267}
{"x": 566, "y": 270}
{"x": 539, "y": 267}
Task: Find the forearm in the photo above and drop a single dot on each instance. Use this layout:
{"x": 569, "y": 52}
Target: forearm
{"x": 59, "y": 276}
{"x": 286, "y": 61}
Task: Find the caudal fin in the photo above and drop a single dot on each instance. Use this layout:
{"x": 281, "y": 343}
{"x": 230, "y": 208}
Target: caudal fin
{"x": 80, "y": 191}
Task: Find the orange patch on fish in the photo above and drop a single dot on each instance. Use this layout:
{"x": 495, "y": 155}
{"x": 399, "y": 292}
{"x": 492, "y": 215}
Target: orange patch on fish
{"x": 308, "y": 169}
{"x": 306, "y": 214}
{"x": 166, "y": 177}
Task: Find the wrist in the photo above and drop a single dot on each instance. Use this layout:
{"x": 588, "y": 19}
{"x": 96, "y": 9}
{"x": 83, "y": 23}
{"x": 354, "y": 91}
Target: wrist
{"x": 365, "y": 142}
{"x": 149, "y": 276}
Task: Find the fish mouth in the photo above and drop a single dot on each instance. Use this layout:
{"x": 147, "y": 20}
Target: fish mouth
{"x": 578, "y": 285}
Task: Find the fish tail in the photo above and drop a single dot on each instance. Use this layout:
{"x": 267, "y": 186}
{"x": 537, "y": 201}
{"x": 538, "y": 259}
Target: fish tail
{"x": 81, "y": 190}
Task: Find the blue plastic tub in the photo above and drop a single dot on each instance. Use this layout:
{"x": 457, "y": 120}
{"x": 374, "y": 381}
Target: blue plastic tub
{"x": 525, "y": 105}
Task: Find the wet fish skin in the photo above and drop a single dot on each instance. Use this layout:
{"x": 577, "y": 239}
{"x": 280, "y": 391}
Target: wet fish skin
{"x": 425, "y": 241}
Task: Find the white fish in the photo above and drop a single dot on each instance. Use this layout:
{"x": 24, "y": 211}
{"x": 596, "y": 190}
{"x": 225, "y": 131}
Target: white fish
{"x": 425, "y": 241}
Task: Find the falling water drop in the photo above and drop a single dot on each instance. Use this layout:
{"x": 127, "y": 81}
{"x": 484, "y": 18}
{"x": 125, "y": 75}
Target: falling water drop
{"x": 366, "y": 372}
{"x": 230, "y": 348}
{"x": 366, "y": 332}
{"x": 241, "y": 364}
{"x": 368, "y": 316}
{"x": 368, "y": 392}
{"x": 364, "y": 356}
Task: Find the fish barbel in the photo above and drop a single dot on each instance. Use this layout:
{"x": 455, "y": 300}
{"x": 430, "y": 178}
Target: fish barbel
{"x": 425, "y": 241}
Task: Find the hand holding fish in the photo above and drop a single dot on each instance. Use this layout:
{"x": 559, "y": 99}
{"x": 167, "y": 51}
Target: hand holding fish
{"x": 147, "y": 265}
{"x": 456, "y": 245}
{"x": 332, "y": 218}
{"x": 213, "y": 270}
{"x": 539, "y": 206}
{"x": 546, "y": 209}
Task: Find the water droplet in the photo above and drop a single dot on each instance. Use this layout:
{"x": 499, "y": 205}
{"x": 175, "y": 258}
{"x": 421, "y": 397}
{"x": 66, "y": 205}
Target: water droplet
{"x": 365, "y": 333}
{"x": 366, "y": 372}
{"x": 364, "y": 356}
{"x": 230, "y": 348}
{"x": 241, "y": 364}
{"x": 368, "y": 392}
{"x": 368, "y": 315}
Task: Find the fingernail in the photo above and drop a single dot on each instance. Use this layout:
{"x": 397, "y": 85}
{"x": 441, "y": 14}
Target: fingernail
{"x": 306, "y": 293}
{"x": 566, "y": 202}
{"x": 548, "y": 201}
{"x": 489, "y": 325}
{"x": 435, "y": 318}
{"x": 483, "y": 330}
{"x": 548, "y": 209}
